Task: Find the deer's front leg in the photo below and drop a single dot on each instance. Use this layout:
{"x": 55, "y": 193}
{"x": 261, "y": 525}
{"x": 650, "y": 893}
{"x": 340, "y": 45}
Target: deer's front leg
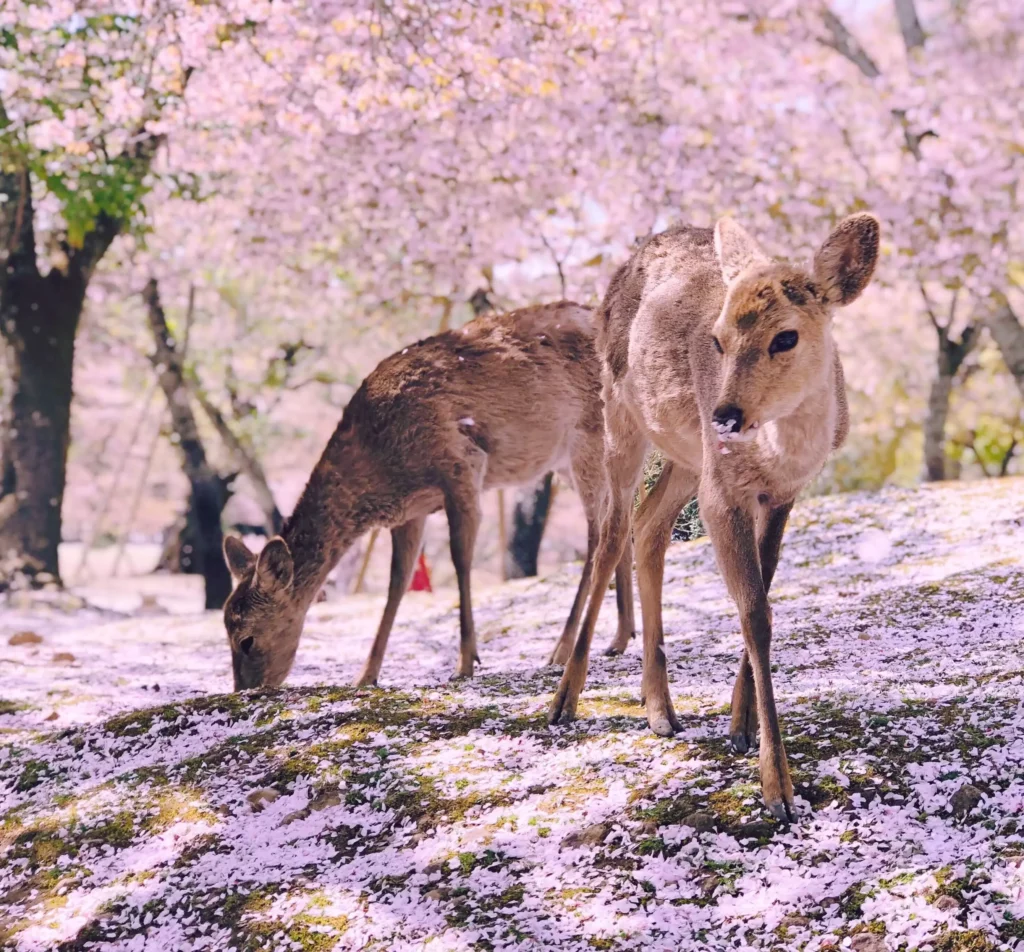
{"x": 406, "y": 541}
{"x": 743, "y": 727}
{"x": 654, "y": 522}
{"x": 732, "y": 531}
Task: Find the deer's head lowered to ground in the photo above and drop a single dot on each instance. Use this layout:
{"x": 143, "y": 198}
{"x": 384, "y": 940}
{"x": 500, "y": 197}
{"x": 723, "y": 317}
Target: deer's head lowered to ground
{"x": 775, "y": 328}
{"x": 263, "y": 616}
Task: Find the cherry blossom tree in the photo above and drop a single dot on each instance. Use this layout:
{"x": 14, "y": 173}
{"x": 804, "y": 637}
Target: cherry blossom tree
{"x": 82, "y": 90}
{"x": 362, "y": 167}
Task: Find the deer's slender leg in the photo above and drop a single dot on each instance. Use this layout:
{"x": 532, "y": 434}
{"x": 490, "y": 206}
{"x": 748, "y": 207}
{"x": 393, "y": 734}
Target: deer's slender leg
{"x": 743, "y": 724}
{"x": 624, "y": 599}
{"x": 463, "y": 511}
{"x": 406, "y": 540}
{"x": 733, "y": 533}
{"x": 654, "y": 522}
{"x": 590, "y": 481}
{"x": 624, "y": 459}
{"x": 560, "y": 654}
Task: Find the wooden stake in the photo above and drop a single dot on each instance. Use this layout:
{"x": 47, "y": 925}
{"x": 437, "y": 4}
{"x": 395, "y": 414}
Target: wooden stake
{"x": 502, "y": 536}
{"x": 358, "y": 587}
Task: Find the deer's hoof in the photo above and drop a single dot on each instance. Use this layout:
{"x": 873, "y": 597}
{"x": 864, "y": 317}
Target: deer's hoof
{"x": 663, "y": 725}
{"x": 741, "y": 741}
{"x": 366, "y": 681}
{"x": 562, "y": 709}
{"x": 783, "y": 811}
{"x": 559, "y": 656}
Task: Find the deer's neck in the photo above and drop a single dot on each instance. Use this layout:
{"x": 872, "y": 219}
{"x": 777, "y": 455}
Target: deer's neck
{"x": 797, "y": 445}
{"x": 328, "y": 518}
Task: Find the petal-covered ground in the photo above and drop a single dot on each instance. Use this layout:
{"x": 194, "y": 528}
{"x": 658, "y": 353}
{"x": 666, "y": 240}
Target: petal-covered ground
{"x": 144, "y": 808}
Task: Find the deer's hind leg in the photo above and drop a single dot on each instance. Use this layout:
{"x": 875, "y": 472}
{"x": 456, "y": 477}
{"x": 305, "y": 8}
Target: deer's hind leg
{"x": 590, "y": 481}
{"x": 625, "y": 446}
{"x": 462, "y": 490}
{"x": 654, "y": 521}
{"x": 743, "y": 723}
{"x": 624, "y": 599}
{"x": 560, "y": 654}
{"x": 406, "y": 540}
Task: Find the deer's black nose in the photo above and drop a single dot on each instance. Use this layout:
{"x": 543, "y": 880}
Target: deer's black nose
{"x": 729, "y": 418}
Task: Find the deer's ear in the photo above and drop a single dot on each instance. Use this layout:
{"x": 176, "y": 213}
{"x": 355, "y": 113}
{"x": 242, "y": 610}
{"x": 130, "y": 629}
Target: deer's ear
{"x": 735, "y": 249}
{"x": 238, "y": 557}
{"x": 844, "y": 265}
{"x": 274, "y": 567}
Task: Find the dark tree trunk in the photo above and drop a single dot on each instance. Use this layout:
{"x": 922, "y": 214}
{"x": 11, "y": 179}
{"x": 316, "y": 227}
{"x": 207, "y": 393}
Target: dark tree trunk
{"x": 207, "y": 503}
{"x": 935, "y": 422}
{"x": 528, "y": 521}
{"x": 39, "y": 318}
{"x": 1007, "y": 332}
{"x": 209, "y": 492}
{"x": 950, "y": 357}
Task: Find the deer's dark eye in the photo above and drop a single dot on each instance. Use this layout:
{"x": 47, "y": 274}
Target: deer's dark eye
{"x": 718, "y": 346}
{"x": 246, "y": 644}
{"x": 786, "y": 340}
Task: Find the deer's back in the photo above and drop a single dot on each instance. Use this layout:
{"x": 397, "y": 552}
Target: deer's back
{"x": 680, "y": 257}
{"x": 518, "y": 384}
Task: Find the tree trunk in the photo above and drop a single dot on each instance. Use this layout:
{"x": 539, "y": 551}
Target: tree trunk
{"x": 1008, "y": 334}
{"x": 935, "y": 422}
{"x": 209, "y": 492}
{"x": 528, "y": 521}
{"x": 39, "y": 317}
{"x": 949, "y": 358}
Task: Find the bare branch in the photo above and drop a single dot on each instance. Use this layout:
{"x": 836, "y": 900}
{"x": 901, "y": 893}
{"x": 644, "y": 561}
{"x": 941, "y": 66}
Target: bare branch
{"x": 190, "y": 313}
{"x": 910, "y": 24}
{"x": 942, "y": 331}
{"x": 243, "y": 458}
{"x": 166, "y": 360}
{"x": 846, "y": 44}
{"x": 556, "y": 259}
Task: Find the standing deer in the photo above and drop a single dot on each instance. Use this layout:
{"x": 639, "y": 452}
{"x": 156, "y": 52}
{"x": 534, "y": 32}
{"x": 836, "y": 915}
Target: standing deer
{"x": 724, "y": 360}
{"x": 500, "y": 402}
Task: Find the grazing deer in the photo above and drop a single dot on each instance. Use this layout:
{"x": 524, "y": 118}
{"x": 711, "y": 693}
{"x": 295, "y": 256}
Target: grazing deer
{"x": 724, "y": 360}
{"x": 500, "y": 402}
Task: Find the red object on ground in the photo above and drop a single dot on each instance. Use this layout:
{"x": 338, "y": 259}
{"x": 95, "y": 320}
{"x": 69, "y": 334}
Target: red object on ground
{"x": 421, "y": 577}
